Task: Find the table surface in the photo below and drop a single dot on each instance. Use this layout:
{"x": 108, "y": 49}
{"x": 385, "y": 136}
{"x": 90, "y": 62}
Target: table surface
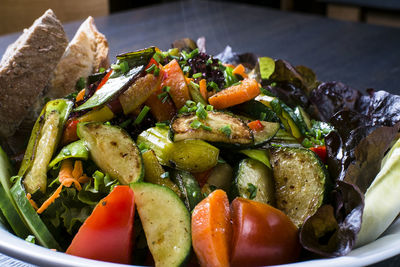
{"x": 362, "y": 56}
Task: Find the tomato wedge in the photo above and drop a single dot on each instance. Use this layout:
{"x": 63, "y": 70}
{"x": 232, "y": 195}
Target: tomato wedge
{"x": 106, "y": 234}
{"x": 262, "y": 235}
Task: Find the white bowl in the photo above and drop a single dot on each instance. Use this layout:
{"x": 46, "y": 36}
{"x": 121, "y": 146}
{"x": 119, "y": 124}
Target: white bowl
{"x": 388, "y": 245}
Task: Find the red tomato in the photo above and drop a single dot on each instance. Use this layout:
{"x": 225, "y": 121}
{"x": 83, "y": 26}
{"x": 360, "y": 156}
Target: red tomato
{"x": 262, "y": 235}
{"x": 321, "y": 152}
{"x": 69, "y": 134}
{"x": 106, "y": 235}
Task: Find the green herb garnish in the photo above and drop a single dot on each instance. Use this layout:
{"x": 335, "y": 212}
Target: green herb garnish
{"x": 197, "y": 75}
{"x": 226, "y": 130}
{"x": 201, "y": 113}
{"x": 141, "y": 115}
{"x": 195, "y": 124}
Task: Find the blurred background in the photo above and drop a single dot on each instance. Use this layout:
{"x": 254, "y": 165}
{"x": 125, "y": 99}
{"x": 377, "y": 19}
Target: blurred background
{"x": 18, "y": 14}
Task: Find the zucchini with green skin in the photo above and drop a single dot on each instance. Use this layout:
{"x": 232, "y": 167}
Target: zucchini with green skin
{"x": 254, "y": 181}
{"x": 258, "y": 154}
{"x": 167, "y": 227}
{"x": 113, "y": 151}
{"x": 301, "y": 182}
{"x": 256, "y": 110}
{"x": 189, "y": 187}
{"x": 267, "y": 133}
{"x": 31, "y": 218}
{"x": 8, "y": 208}
{"x": 42, "y": 144}
{"x": 191, "y": 155}
{"x": 239, "y": 133}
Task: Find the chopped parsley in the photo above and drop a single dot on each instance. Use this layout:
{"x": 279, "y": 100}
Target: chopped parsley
{"x": 226, "y": 130}
{"x": 141, "y": 115}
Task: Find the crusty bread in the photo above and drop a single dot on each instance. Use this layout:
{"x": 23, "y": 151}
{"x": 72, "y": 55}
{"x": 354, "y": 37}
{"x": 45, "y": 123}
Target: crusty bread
{"x": 26, "y": 67}
{"x": 86, "y": 53}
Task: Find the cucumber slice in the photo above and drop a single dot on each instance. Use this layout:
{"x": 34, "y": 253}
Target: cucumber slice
{"x": 32, "y": 219}
{"x": 112, "y": 149}
{"x": 188, "y": 186}
{"x": 254, "y": 181}
{"x": 166, "y": 223}
{"x": 300, "y": 181}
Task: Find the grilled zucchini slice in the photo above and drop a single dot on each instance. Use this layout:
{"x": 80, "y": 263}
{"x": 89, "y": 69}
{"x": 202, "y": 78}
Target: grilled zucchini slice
{"x": 300, "y": 182}
{"x": 112, "y": 149}
{"x": 182, "y": 128}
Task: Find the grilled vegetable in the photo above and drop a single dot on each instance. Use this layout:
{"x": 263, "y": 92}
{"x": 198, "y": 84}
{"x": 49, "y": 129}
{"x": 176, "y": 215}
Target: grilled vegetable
{"x": 42, "y": 144}
{"x": 268, "y": 131}
{"x": 215, "y": 127}
{"x": 256, "y": 110}
{"x": 258, "y": 154}
{"x": 76, "y": 150}
{"x": 189, "y": 187}
{"x": 112, "y": 149}
{"x": 190, "y": 155}
{"x": 254, "y": 181}
{"x": 300, "y": 182}
{"x": 220, "y": 177}
{"x": 167, "y": 227}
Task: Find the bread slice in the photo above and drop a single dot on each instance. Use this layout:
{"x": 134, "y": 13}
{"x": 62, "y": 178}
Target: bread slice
{"x": 86, "y": 53}
{"x": 26, "y": 68}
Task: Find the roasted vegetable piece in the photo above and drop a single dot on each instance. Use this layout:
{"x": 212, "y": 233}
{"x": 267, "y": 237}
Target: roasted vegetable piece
{"x": 254, "y": 181}
{"x": 7, "y": 205}
{"x": 167, "y": 227}
{"x": 107, "y": 234}
{"x": 154, "y": 172}
{"x": 236, "y": 94}
{"x": 211, "y": 230}
{"x": 189, "y": 187}
{"x": 113, "y": 151}
{"x": 266, "y": 133}
{"x": 300, "y": 182}
{"x": 75, "y": 150}
{"x": 237, "y": 132}
{"x": 220, "y": 177}
{"x": 261, "y": 155}
{"x": 191, "y": 155}
{"x": 43, "y": 142}
{"x": 139, "y": 92}
{"x": 175, "y": 79}
{"x": 262, "y": 235}
{"x": 119, "y": 81}
{"x": 31, "y": 218}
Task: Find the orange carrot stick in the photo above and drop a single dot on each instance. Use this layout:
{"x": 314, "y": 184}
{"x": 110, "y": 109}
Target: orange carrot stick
{"x": 78, "y": 169}
{"x": 50, "y": 200}
{"x": 80, "y": 95}
{"x": 203, "y": 88}
{"x": 236, "y": 94}
{"x": 240, "y": 70}
{"x": 211, "y": 230}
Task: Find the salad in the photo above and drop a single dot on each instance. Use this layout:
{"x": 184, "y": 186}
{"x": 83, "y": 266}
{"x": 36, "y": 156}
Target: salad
{"x": 178, "y": 156}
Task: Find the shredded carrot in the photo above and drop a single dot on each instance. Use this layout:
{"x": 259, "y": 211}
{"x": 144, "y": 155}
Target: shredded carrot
{"x": 67, "y": 176}
{"x": 33, "y": 203}
{"x": 240, "y": 70}
{"x": 83, "y": 179}
{"x": 50, "y": 200}
{"x": 80, "y": 95}
{"x": 229, "y": 65}
{"x": 203, "y": 88}
{"x": 188, "y": 80}
{"x": 78, "y": 169}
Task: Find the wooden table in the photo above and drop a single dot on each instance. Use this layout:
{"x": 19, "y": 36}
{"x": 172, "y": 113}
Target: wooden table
{"x": 363, "y": 56}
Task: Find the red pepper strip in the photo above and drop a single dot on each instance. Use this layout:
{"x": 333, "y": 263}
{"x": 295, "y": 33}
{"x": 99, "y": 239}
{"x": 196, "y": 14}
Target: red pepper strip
{"x": 69, "y": 134}
{"x": 104, "y": 80}
{"x": 321, "y": 152}
{"x": 255, "y": 125}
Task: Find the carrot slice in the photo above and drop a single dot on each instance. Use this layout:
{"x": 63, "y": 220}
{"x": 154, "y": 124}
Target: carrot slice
{"x": 80, "y": 95}
{"x": 175, "y": 79}
{"x": 236, "y": 94}
{"x": 162, "y": 110}
{"x": 211, "y": 230}
{"x": 240, "y": 70}
{"x": 203, "y": 88}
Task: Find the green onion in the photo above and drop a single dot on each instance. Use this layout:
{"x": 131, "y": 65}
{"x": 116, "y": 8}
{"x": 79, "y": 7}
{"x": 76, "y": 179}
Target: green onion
{"x": 195, "y": 124}
{"x": 156, "y": 72}
{"x": 141, "y": 115}
{"x": 125, "y": 123}
{"x": 143, "y": 147}
{"x": 164, "y": 175}
{"x": 209, "y": 108}
{"x": 186, "y": 69}
{"x": 161, "y": 124}
{"x": 151, "y": 68}
{"x": 101, "y": 70}
{"x": 252, "y": 189}
{"x": 194, "y": 53}
{"x": 213, "y": 85}
{"x": 205, "y": 127}
{"x": 30, "y": 239}
{"x": 226, "y": 130}
{"x": 265, "y": 92}
{"x": 201, "y": 113}
{"x": 263, "y": 115}
{"x": 162, "y": 95}
{"x": 158, "y": 56}
{"x": 183, "y": 109}
{"x": 164, "y": 99}
{"x": 195, "y": 85}
{"x": 197, "y": 75}
{"x": 237, "y": 83}
{"x": 190, "y": 103}
{"x": 124, "y": 66}
{"x": 209, "y": 61}
{"x": 166, "y": 89}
